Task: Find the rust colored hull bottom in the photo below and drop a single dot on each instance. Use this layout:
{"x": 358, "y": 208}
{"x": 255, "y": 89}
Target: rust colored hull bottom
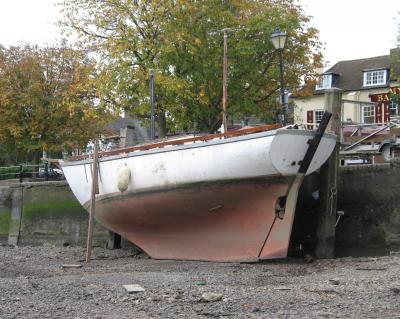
{"x": 219, "y": 222}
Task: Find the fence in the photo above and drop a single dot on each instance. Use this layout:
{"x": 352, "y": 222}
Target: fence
{"x": 30, "y": 171}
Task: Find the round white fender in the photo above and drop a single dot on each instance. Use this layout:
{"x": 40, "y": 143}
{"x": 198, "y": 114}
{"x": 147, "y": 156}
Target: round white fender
{"x": 124, "y": 176}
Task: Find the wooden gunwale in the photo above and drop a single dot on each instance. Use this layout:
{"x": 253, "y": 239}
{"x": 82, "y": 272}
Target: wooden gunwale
{"x": 179, "y": 142}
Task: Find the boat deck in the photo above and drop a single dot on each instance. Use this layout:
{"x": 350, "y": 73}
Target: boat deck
{"x": 179, "y": 141}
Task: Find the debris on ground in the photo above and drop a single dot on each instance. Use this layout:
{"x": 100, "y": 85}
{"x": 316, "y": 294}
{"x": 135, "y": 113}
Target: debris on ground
{"x": 133, "y": 288}
{"x": 33, "y": 284}
{"x": 211, "y": 297}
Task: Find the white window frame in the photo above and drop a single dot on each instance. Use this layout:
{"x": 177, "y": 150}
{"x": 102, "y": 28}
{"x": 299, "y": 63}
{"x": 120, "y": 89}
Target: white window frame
{"x": 394, "y": 108}
{"x": 318, "y": 114}
{"x": 367, "y": 111}
{"x": 374, "y": 77}
{"x": 325, "y": 83}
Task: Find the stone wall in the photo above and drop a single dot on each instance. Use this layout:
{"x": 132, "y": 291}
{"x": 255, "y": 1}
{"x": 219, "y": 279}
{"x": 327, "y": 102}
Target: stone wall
{"x": 45, "y": 212}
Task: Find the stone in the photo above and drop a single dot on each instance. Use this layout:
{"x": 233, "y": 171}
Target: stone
{"x": 133, "y": 288}
{"x": 211, "y": 297}
{"x": 71, "y": 266}
{"x": 308, "y": 258}
{"x": 282, "y": 288}
{"x": 395, "y": 290}
{"x": 334, "y": 281}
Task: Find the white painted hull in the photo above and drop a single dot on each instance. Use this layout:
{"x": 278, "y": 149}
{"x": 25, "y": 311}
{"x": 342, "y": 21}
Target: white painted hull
{"x": 263, "y": 154}
{"x": 214, "y": 200}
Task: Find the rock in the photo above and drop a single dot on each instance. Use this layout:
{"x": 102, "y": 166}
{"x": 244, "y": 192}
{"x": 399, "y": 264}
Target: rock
{"x": 133, "y": 288}
{"x": 334, "y": 281}
{"x": 72, "y": 266}
{"x": 178, "y": 296}
{"x": 282, "y": 288}
{"x": 211, "y": 297}
{"x": 395, "y": 290}
{"x": 308, "y": 258}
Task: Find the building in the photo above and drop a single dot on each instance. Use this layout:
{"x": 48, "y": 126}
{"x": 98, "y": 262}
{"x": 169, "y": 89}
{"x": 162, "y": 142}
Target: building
{"x": 370, "y": 91}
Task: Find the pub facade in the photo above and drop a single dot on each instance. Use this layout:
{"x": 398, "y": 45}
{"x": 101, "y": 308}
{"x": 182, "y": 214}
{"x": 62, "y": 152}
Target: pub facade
{"x": 370, "y": 89}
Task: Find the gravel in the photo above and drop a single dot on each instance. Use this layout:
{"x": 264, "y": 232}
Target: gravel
{"x": 34, "y": 284}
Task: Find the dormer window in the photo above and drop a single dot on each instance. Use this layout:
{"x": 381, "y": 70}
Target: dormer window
{"x": 325, "y": 83}
{"x": 375, "y": 77}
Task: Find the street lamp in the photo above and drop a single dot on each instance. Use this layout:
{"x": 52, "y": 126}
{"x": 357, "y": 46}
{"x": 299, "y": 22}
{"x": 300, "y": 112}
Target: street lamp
{"x": 278, "y": 39}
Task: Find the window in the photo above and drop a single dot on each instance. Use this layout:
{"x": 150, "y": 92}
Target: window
{"x": 368, "y": 114}
{"x": 377, "y": 77}
{"x": 318, "y": 116}
{"x": 314, "y": 117}
{"x": 394, "y": 108}
{"x": 325, "y": 83}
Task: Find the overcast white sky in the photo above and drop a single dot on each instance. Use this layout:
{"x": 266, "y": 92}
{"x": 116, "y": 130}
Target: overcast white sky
{"x": 350, "y": 29}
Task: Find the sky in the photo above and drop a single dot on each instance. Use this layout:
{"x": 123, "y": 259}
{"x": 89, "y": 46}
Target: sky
{"x": 354, "y": 29}
{"x": 349, "y": 29}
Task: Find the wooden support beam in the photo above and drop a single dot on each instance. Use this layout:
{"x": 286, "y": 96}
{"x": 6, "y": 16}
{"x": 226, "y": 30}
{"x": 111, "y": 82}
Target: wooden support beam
{"x": 328, "y": 185}
{"x": 92, "y": 200}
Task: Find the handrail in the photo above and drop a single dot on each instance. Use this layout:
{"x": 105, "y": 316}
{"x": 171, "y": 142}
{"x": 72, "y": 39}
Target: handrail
{"x": 366, "y": 137}
{"x": 179, "y": 141}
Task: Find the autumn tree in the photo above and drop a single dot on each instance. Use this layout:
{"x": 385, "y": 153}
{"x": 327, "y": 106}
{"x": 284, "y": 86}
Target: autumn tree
{"x": 183, "y": 42}
{"x": 253, "y": 72}
{"x": 47, "y": 99}
{"x": 127, "y": 37}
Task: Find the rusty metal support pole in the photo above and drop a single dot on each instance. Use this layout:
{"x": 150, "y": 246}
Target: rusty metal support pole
{"x": 92, "y": 200}
{"x": 225, "y": 82}
{"x": 328, "y": 185}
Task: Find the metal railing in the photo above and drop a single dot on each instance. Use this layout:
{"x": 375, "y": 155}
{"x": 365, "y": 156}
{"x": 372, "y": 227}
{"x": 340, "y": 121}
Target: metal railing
{"x": 41, "y": 172}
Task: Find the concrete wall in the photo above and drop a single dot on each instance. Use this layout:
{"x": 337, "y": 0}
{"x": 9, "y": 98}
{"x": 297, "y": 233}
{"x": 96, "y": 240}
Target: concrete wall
{"x": 33, "y": 213}
{"x": 45, "y": 211}
{"x": 370, "y": 198}
{"x": 5, "y": 212}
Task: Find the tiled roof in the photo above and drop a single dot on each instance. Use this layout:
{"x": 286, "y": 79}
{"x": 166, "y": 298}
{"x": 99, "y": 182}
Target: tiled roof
{"x": 351, "y": 72}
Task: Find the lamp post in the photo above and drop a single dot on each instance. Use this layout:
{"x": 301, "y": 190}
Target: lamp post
{"x": 278, "y": 39}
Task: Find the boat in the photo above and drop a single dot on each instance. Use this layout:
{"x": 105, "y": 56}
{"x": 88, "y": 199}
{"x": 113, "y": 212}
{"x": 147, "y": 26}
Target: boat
{"x": 219, "y": 197}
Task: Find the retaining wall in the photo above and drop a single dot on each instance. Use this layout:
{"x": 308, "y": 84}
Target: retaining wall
{"x": 370, "y": 199}
{"x": 369, "y": 196}
{"x": 33, "y": 213}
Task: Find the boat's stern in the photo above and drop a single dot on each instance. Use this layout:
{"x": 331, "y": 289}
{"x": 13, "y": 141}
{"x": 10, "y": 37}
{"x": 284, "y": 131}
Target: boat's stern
{"x": 290, "y": 146}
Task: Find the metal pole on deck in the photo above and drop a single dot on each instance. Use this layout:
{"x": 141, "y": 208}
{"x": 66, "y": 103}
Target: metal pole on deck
{"x": 152, "y": 111}
{"x": 92, "y": 200}
{"x": 224, "y": 82}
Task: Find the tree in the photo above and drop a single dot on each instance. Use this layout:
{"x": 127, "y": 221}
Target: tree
{"x": 127, "y": 37}
{"x": 182, "y": 41}
{"x": 46, "y": 99}
{"x": 253, "y": 79}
